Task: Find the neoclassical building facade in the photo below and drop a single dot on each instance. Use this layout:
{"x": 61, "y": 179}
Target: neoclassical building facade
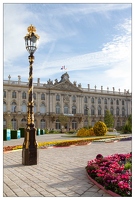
{"x": 83, "y": 106}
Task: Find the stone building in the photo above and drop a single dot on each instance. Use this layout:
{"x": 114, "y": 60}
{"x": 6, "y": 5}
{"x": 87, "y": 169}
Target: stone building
{"x": 83, "y": 106}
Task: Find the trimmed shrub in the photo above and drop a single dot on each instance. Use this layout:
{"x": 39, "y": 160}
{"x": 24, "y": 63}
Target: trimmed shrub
{"x": 100, "y": 128}
{"x": 84, "y": 132}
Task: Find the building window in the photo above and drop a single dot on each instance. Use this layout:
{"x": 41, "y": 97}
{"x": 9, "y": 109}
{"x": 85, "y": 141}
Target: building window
{"x": 92, "y": 110}
{"x": 99, "y": 101}
{"x": 123, "y": 102}
{"x": 4, "y": 94}
{"x": 24, "y": 95}
{"x": 86, "y": 123}
{"x": 117, "y": 102}
{"x": 35, "y": 108}
{"x": 42, "y": 108}
{"x": 85, "y": 100}
{"x": 42, "y": 96}
{"x": 34, "y": 96}
{"x": 13, "y": 94}
{"x": 92, "y": 100}
{"x": 74, "y": 124}
{"x": 13, "y": 107}
{"x": 73, "y": 109}
{"x": 111, "y": 101}
{"x": 24, "y": 107}
{"x": 123, "y": 111}
{"x": 57, "y": 109}
{"x": 58, "y": 126}
{"x": 99, "y": 110}
{"x": 85, "y": 110}
{"x": 4, "y": 107}
{"x": 57, "y": 97}
{"x": 14, "y": 124}
{"x": 117, "y": 111}
{"x": 42, "y": 124}
{"x": 111, "y": 110}
{"x": 105, "y": 101}
{"x": 65, "y": 109}
{"x": 23, "y": 122}
{"x": 118, "y": 123}
{"x": 74, "y": 98}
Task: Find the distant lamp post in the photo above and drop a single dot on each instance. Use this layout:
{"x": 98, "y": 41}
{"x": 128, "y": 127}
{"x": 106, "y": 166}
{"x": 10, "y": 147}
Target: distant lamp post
{"x": 29, "y": 151}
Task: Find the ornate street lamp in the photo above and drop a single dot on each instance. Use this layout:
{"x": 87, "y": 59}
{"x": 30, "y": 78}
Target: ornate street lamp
{"x": 29, "y": 151}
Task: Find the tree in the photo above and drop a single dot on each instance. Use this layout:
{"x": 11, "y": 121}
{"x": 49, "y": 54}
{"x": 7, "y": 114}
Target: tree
{"x": 63, "y": 120}
{"x": 109, "y": 119}
{"x": 127, "y": 128}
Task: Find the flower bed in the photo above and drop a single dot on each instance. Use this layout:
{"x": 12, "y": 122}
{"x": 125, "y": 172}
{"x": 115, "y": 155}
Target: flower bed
{"x": 113, "y": 173}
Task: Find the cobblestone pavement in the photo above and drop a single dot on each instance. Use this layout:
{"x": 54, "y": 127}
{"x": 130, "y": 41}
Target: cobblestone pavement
{"x": 60, "y": 171}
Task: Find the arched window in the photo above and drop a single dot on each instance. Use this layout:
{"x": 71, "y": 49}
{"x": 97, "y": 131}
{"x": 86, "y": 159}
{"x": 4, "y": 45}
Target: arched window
{"x": 57, "y": 97}
{"x": 92, "y": 100}
{"x": 85, "y": 110}
{"x": 13, "y": 94}
{"x": 105, "y": 101}
{"x": 118, "y": 123}
{"x": 123, "y": 102}
{"x": 42, "y": 124}
{"x": 35, "y": 108}
{"x": 93, "y": 122}
{"x": 23, "y": 95}
{"x": 14, "y": 124}
{"x": 86, "y": 123}
{"x": 123, "y": 111}
{"x": 117, "y": 102}
{"x": 74, "y": 124}
{"x": 65, "y": 109}
{"x": 99, "y": 101}
{"x": 24, "y": 107}
{"x": 111, "y": 110}
{"x": 13, "y": 107}
{"x": 42, "y": 108}
{"x": 73, "y": 109}
{"x": 34, "y": 96}
{"x": 58, "y": 126}
{"x": 42, "y": 96}
{"x": 99, "y": 110}
{"x": 74, "y": 98}
{"x": 4, "y": 94}
{"x": 111, "y": 101}
{"x": 85, "y": 100}
{"x": 23, "y": 122}
{"x": 92, "y": 110}
{"x": 57, "y": 109}
{"x": 117, "y": 111}
{"x": 4, "y": 107}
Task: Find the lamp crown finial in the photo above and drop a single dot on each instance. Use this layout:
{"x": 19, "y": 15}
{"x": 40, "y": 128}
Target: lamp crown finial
{"x": 31, "y": 29}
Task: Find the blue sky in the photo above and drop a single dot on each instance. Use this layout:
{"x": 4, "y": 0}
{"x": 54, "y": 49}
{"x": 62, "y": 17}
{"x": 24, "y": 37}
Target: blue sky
{"x": 93, "y": 41}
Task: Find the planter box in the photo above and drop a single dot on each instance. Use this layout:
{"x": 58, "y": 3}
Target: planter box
{"x": 6, "y": 134}
{"x": 15, "y": 134}
{"x": 113, "y": 194}
{"x": 22, "y": 131}
{"x": 42, "y": 132}
{"x": 38, "y": 131}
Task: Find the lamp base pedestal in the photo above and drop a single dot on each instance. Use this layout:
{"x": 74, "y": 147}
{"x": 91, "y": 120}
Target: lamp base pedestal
{"x": 30, "y": 151}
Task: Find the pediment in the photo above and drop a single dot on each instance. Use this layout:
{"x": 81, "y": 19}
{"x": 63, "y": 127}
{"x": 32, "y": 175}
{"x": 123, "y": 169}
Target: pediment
{"x": 66, "y": 86}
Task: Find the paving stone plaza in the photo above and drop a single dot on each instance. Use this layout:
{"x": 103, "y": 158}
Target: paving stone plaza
{"x": 60, "y": 171}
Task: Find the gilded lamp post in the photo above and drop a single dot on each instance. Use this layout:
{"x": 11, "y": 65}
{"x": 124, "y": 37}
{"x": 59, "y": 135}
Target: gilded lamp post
{"x": 29, "y": 151}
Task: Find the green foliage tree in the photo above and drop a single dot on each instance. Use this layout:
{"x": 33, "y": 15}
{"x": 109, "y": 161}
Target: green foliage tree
{"x": 63, "y": 120}
{"x": 109, "y": 119}
{"x": 127, "y": 128}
